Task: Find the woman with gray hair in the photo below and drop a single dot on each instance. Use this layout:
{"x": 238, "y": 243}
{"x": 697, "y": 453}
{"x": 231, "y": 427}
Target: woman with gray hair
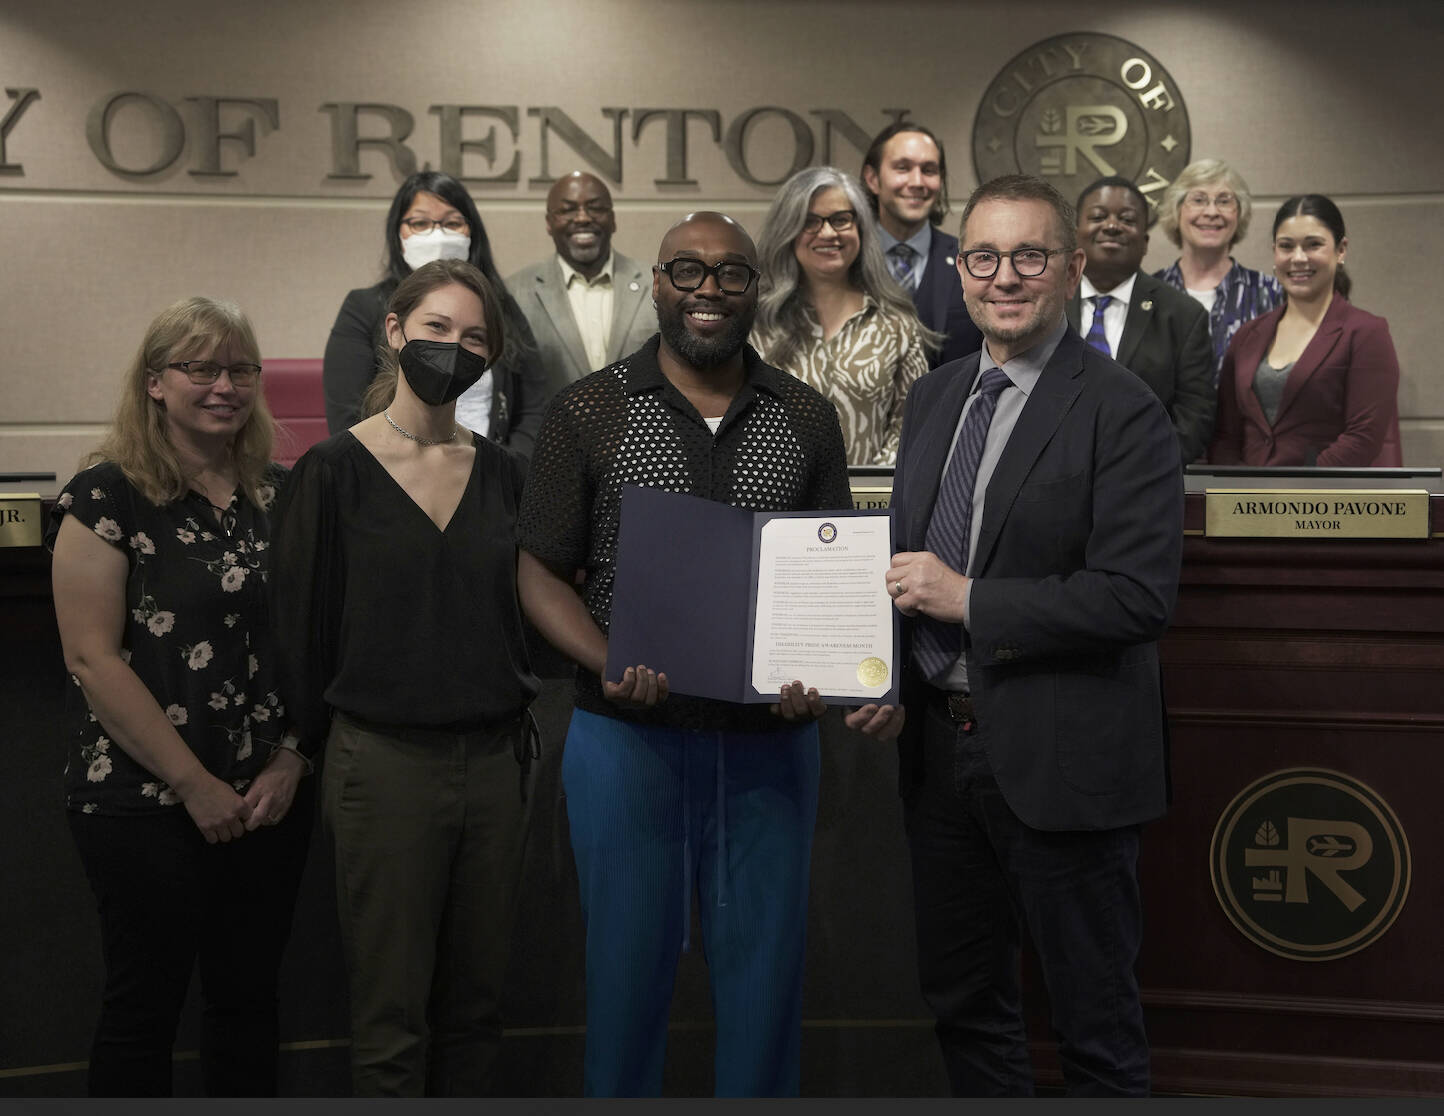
{"x": 831, "y": 314}
{"x": 1206, "y": 211}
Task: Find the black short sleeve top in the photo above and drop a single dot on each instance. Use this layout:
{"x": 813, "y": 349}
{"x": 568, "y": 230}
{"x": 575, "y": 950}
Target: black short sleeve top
{"x": 779, "y": 448}
{"x": 196, "y": 634}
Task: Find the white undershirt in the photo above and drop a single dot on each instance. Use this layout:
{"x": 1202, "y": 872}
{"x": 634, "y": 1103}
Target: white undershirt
{"x": 1206, "y": 297}
{"x": 473, "y": 406}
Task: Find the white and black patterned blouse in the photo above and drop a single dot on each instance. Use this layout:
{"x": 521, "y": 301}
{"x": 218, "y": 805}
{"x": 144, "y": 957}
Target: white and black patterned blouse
{"x": 778, "y": 448}
{"x": 866, "y": 368}
{"x": 195, "y": 634}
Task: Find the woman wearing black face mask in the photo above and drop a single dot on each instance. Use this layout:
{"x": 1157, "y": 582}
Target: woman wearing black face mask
{"x": 432, "y": 217}
{"x": 401, "y": 650}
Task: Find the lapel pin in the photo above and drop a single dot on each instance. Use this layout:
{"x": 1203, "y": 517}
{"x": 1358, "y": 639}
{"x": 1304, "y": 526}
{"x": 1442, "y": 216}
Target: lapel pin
{"x": 1146, "y": 304}
{"x": 634, "y": 286}
{"x": 952, "y": 261}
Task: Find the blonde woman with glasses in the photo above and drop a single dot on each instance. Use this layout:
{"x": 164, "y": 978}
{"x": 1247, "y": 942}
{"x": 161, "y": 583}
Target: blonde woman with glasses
{"x": 1206, "y": 211}
{"x": 182, "y": 781}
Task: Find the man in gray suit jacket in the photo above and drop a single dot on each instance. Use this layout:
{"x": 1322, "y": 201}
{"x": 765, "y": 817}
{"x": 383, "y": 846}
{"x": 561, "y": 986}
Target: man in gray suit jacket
{"x": 587, "y": 305}
{"x": 1038, "y": 504}
{"x": 1157, "y": 332}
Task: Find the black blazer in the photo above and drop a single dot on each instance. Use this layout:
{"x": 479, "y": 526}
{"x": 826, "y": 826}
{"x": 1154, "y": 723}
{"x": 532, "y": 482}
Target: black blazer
{"x": 1166, "y": 344}
{"x": 517, "y": 402}
{"x": 1078, "y": 560}
{"x": 939, "y": 301}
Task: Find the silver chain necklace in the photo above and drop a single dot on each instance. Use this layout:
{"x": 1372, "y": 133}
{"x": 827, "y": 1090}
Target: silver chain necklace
{"x": 414, "y": 438}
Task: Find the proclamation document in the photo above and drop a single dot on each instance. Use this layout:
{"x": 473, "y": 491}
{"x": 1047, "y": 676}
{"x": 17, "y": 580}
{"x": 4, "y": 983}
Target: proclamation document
{"x": 733, "y": 604}
{"x": 822, "y": 612}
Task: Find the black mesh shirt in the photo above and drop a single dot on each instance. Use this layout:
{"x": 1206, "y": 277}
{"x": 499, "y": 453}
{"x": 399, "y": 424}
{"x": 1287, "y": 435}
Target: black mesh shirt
{"x": 779, "y": 448}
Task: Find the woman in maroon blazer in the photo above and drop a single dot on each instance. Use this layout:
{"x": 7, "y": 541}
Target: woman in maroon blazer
{"x": 1316, "y": 381}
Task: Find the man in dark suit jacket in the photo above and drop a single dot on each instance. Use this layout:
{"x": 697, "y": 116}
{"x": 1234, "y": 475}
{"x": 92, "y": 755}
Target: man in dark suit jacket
{"x": 1034, "y": 743}
{"x": 1158, "y": 333}
{"x": 906, "y": 172}
{"x": 585, "y": 272}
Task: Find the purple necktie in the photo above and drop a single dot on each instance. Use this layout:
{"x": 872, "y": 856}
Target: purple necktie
{"x": 1097, "y": 336}
{"x": 900, "y": 261}
{"x": 937, "y": 644}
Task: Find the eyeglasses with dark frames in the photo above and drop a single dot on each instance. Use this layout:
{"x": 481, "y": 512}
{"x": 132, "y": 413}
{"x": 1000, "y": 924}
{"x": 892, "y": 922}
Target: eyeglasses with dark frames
{"x": 688, "y": 274}
{"x": 841, "y": 220}
{"x": 1029, "y": 263}
{"x": 208, "y": 371}
{"x": 419, "y": 226}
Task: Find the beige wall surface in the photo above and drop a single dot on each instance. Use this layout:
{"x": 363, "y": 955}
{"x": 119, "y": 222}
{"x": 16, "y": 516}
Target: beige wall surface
{"x": 1328, "y": 96}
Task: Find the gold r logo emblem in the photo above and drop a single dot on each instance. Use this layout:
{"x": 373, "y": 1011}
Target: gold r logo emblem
{"x": 1079, "y": 107}
{"x": 1310, "y": 864}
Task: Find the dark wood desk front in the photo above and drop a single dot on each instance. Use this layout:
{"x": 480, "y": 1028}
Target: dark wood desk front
{"x": 1282, "y": 654}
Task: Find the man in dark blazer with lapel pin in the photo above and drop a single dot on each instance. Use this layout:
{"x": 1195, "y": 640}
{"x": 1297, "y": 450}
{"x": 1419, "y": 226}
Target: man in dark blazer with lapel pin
{"x": 1155, "y": 331}
{"x": 1038, "y": 503}
{"x": 906, "y": 172}
{"x": 587, "y": 305}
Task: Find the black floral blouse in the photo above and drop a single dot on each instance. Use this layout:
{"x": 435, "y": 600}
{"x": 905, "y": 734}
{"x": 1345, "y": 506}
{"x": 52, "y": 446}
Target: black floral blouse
{"x": 195, "y": 634}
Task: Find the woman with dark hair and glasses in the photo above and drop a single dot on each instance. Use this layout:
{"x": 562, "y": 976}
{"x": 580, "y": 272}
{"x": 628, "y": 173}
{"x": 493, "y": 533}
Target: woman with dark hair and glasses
{"x": 830, "y": 312}
{"x": 182, "y": 778}
{"x": 1316, "y": 381}
{"x": 401, "y": 653}
{"x": 432, "y": 217}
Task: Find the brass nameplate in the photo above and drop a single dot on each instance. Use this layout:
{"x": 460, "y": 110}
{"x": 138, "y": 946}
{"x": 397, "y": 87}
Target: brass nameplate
{"x": 871, "y": 494}
{"x": 1316, "y": 513}
{"x": 20, "y": 522}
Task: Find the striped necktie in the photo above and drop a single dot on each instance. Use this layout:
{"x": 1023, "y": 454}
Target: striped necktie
{"x": 900, "y": 261}
{"x": 937, "y": 644}
{"x": 1097, "y": 337}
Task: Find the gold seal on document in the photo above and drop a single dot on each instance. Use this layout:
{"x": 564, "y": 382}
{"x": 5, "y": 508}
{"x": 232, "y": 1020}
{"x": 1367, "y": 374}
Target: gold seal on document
{"x": 872, "y": 671}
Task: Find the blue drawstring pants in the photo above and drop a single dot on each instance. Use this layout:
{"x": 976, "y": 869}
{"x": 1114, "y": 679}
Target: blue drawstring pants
{"x": 654, "y": 813}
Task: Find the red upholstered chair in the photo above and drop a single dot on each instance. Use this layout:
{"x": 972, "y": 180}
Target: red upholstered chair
{"x": 293, "y": 391}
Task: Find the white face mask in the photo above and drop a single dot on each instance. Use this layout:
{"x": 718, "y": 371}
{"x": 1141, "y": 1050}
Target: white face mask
{"x": 437, "y": 244}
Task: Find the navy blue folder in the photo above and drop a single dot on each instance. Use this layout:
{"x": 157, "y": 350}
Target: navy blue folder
{"x": 685, "y": 594}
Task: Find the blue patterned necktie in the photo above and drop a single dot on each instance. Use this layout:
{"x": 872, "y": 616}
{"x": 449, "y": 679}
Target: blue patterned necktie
{"x": 900, "y": 261}
{"x": 937, "y": 644}
{"x": 1097, "y": 337}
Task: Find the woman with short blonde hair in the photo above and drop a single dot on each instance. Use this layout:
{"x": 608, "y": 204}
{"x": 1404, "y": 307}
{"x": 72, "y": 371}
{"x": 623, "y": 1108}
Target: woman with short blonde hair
{"x": 1206, "y": 211}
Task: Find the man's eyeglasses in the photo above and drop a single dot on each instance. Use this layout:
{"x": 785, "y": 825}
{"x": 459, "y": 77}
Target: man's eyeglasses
{"x": 419, "y": 226}
{"x": 571, "y": 210}
{"x": 689, "y": 274}
{"x": 208, "y": 371}
{"x": 1224, "y": 203}
{"x": 1029, "y": 263}
{"x": 841, "y": 221}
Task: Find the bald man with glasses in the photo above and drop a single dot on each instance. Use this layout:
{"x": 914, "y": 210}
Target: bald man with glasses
{"x": 668, "y": 794}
